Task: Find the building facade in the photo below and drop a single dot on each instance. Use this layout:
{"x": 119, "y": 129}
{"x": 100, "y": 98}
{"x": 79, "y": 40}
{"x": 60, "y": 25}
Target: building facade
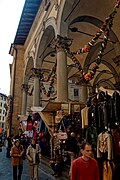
{"x": 63, "y": 50}
{"x": 3, "y": 111}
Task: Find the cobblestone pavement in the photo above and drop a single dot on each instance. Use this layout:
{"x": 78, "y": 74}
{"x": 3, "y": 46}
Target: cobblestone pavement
{"x": 6, "y": 169}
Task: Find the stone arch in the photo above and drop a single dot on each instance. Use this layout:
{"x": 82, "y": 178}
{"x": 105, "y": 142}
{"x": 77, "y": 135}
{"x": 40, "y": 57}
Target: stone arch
{"x": 52, "y": 53}
{"x": 27, "y": 70}
{"x": 99, "y": 75}
{"x": 51, "y": 22}
{"x": 104, "y": 83}
{"x": 112, "y": 69}
{"x": 48, "y": 25}
{"x": 28, "y": 80}
{"x": 43, "y": 46}
{"x": 64, "y": 9}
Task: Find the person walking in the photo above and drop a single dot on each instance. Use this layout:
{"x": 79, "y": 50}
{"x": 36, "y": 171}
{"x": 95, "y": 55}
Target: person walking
{"x": 85, "y": 167}
{"x": 22, "y": 140}
{"x": 17, "y": 161}
{"x": 9, "y": 144}
{"x": 57, "y": 164}
{"x": 33, "y": 155}
{"x": 71, "y": 148}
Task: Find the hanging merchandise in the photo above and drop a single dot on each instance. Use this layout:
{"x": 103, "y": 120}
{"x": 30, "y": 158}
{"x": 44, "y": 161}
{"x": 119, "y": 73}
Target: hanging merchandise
{"x": 116, "y": 141}
{"x": 61, "y": 135}
{"x": 29, "y": 126}
{"x": 39, "y": 126}
{"x": 59, "y": 116}
{"x": 50, "y": 78}
{"x": 108, "y": 170}
{"x": 105, "y": 146}
{"x": 84, "y": 114}
{"x": 35, "y": 125}
{"x": 41, "y": 135}
{"x": 107, "y": 25}
{"x": 29, "y": 134}
{"x": 91, "y": 135}
{"x": 0, "y": 130}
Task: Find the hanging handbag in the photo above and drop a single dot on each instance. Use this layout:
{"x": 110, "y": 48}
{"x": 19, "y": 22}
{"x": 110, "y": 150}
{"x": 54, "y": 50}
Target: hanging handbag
{"x": 62, "y": 135}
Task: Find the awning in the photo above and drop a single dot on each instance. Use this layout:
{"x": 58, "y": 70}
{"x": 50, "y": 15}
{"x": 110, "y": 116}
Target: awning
{"x": 29, "y": 12}
{"x": 50, "y": 107}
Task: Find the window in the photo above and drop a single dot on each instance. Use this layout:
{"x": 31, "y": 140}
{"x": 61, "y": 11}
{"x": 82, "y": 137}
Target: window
{"x": 0, "y": 110}
{"x": 3, "y": 118}
{"x": 76, "y": 92}
{"x": 1, "y": 104}
{"x": 0, "y": 117}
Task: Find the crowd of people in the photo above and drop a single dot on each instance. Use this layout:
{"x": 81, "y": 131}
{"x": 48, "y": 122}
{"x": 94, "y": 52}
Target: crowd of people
{"x": 83, "y": 165}
{"x": 19, "y": 148}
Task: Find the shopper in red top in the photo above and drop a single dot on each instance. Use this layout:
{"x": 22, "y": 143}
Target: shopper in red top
{"x": 85, "y": 167}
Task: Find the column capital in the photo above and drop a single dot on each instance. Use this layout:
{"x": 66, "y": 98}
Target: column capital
{"x": 62, "y": 43}
{"x": 25, "y": 87}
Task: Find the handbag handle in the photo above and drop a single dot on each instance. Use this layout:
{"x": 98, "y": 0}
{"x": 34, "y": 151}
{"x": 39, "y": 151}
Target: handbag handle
{"x": 61, "y": 126}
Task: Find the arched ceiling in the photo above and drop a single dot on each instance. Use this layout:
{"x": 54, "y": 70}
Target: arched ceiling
{"x": 87, "y": 17}
{"x": 45, "y": 51}
{"x": 29, "y": 66}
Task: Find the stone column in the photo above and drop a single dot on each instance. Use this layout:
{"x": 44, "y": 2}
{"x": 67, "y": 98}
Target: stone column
{"x": 36, "y": 92}
{"x": 62, "y": 74}
{"x": 24, "y": 98}
{"x": 84, "y": 93}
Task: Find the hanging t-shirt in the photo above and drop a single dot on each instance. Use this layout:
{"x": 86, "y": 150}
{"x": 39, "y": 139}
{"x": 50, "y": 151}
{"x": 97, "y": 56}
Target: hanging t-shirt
{"x": 84, "y": 114}
{"x": 105, "y": 145}
{"x": 29, "y": 126}
{"x": 116, "y": 143}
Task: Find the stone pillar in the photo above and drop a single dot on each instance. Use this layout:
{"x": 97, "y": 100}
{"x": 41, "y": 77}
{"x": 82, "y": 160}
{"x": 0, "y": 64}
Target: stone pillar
{"x": 84, "y": 93}
{"x": 62, "y": 74}
{"x": 24, "y": 98}
{"x": 36, "y": 92}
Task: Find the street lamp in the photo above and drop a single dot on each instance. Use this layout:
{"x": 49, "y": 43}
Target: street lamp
{"x": 75, "y": 29}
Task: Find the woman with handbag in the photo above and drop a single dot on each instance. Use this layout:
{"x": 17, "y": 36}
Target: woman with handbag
{"x": 17, "y": 161}
{"x": 33, "y": 155}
